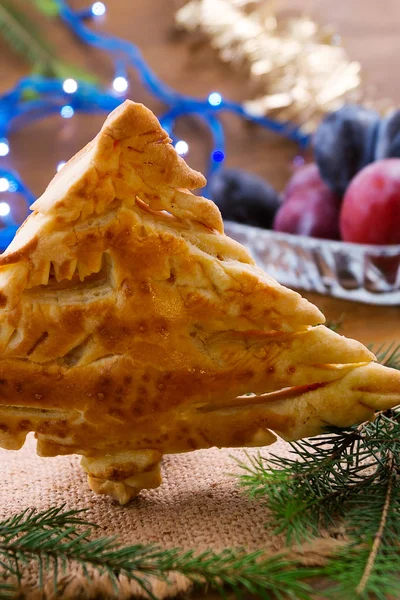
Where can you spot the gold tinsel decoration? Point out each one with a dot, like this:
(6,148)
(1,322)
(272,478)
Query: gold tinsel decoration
(298,67)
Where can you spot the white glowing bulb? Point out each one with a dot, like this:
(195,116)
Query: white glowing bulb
(98,9)
(4,184)
(120,84)
(61,165)
(214,99)
(182,147)
(70,86)
(67,111)
(4,147)
(4,209)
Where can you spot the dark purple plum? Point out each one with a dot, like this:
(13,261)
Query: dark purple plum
(244,197)
(388,137)
(344,143)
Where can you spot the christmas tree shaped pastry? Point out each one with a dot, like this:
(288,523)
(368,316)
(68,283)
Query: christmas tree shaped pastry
(132,327)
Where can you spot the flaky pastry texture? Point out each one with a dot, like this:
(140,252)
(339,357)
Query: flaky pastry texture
(131,326)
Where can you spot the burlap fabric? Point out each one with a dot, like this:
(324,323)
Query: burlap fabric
(199,506)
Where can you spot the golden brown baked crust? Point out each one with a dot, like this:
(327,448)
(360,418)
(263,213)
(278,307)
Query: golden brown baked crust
(131,326)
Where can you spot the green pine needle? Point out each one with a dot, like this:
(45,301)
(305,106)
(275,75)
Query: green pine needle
(19,32)
(48,7)
(335,325)
(388,355)
(55,538)
(370,565)
(345,477)
(7,591)
(24,38)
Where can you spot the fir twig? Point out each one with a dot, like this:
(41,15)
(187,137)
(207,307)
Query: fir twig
(7,590)
(30,519)
(21,34)
(304,490)
(389,355)
(335,325)
(24,38)
(344,477)
(378,539)
(369,565)
(48,7)
(55,538)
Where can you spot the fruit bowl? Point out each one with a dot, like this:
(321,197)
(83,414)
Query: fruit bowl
(358,272)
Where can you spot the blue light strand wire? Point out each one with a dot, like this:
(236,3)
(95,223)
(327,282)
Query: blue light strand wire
(183,104)
(217,132)
(117,46)
(17,110)
(7,235)
(51,98)
(18,186)
(16,183)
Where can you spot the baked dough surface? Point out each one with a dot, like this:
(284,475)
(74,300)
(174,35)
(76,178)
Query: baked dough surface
(132,327)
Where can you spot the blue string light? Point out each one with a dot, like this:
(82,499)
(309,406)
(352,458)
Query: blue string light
(4,147)
(182,147)
(69,96)
(214,99)
(67,112)
(218,156)
(70,86)
(98,9)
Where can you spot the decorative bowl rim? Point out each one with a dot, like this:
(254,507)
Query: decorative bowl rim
(381,250)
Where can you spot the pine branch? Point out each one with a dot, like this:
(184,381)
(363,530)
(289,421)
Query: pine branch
(344,477)
(368,567)
(54,539)
(7,591)
(389,355)
(378,539)
(49,7)
(26,40)
(30,519)
(304,492)
(335,325)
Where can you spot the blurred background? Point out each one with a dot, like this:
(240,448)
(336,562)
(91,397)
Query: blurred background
(368,30)
(181,43)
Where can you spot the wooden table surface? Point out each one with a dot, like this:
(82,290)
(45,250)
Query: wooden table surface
(370,34)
